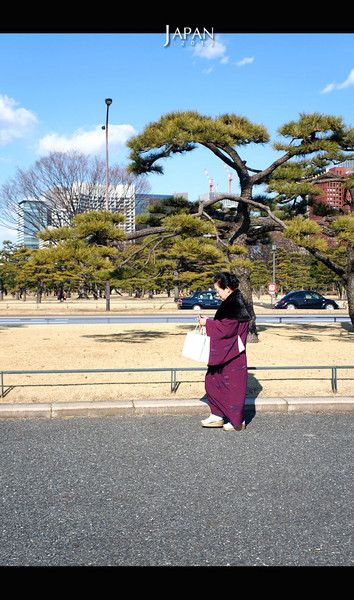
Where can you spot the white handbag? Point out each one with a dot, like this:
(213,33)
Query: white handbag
(241,346)
(197,345)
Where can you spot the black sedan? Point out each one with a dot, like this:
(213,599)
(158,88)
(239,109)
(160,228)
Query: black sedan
(198,300)
(305,299)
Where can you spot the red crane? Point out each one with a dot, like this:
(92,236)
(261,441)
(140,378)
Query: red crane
(210,181)
(230,178)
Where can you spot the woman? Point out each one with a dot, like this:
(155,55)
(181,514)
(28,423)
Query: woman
(226,378)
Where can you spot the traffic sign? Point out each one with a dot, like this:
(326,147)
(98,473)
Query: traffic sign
(272,288)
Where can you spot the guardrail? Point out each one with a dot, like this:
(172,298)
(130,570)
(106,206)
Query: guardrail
(334,375)
(284,317)
(173,372)
(315,318)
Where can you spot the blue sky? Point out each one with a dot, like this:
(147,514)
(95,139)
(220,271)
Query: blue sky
(53,89)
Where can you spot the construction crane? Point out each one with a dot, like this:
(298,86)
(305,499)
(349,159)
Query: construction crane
(210,181)
(230,177)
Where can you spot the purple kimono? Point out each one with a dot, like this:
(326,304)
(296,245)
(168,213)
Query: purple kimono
(226,378)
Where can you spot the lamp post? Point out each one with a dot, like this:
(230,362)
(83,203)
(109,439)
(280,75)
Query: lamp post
(273,250)
(108,101)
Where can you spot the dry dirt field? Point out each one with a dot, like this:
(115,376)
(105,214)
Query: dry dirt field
(42,347)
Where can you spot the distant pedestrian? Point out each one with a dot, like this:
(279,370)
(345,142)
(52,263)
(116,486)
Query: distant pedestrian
(226,377)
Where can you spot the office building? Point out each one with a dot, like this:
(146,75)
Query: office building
(334,195)
(212,195)
(121,198)
(32,216)
(331,183)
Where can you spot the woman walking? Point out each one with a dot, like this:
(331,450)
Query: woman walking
(226,378)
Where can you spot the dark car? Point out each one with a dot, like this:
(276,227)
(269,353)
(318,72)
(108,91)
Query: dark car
(200,300)
(305,299)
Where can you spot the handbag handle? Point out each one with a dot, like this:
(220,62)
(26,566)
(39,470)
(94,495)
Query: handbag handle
(200,329)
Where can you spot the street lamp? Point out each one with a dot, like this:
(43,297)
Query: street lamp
(108,101)
(273,250)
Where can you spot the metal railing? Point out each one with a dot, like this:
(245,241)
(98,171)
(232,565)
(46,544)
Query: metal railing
(334,374)
(173,372)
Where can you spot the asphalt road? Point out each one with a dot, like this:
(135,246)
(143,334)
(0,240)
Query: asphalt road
(162,491)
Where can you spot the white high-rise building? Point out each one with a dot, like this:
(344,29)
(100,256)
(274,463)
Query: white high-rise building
(34,215)
(121,198)
(224,203)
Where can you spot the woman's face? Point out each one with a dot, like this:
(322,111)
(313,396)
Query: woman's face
(223,294)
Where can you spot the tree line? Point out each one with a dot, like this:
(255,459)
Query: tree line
(182,265)
(181,243)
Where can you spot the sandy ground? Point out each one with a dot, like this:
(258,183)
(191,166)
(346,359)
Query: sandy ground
(42,347)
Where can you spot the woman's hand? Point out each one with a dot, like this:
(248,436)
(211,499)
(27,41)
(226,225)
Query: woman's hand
(202,320)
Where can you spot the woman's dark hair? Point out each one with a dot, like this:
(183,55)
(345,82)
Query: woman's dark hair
(225,279)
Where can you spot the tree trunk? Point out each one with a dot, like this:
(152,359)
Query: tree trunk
(176,284)
(39,291)
(350,283)
(243,275)
(243,271)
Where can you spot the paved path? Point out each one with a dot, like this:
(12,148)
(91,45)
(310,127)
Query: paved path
(153,491)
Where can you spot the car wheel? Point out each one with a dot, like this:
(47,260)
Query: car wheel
(291,307)
(196,307)
(329,306)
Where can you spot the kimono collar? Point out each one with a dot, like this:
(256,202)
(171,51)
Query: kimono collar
(234,307)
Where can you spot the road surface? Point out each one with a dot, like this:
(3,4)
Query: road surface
(163,491)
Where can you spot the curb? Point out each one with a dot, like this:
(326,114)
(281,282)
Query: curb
(136,408)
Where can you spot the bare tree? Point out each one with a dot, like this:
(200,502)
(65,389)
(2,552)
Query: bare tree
(49,190)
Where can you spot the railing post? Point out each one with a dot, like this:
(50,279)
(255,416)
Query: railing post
(173,380)
(334,379)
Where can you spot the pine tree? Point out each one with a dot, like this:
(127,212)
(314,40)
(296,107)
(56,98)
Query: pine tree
(91,244)
(313,136)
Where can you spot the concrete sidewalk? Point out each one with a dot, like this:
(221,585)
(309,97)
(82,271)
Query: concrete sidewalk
(172,406)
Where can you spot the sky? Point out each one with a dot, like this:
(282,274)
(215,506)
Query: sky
(53,88)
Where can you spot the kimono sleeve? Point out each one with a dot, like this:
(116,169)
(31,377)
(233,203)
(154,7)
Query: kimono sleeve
(224,339)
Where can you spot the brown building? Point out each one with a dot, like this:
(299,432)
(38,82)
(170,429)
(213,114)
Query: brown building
(334,195)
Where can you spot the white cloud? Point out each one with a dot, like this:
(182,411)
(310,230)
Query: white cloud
(211,49)
(329,88)
(207,71)
(87,142)
(215,49)
(340,86)
(14,122)
(245,61)
(348,81)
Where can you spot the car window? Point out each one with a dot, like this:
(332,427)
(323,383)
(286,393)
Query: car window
(312,296)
